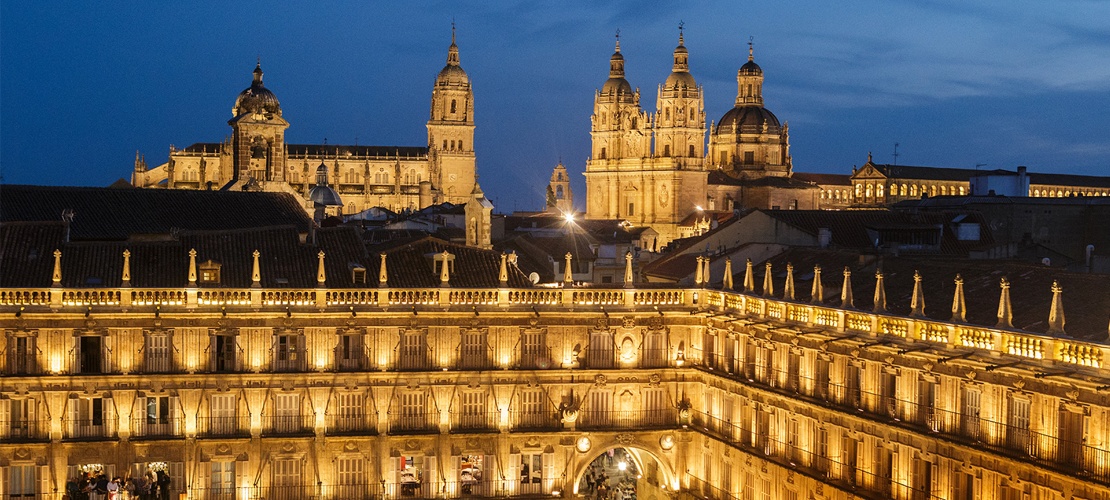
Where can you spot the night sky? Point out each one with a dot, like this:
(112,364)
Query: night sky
(955,82)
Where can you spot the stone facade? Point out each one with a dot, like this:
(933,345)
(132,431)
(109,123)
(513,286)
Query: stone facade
(256,156)
(365,393)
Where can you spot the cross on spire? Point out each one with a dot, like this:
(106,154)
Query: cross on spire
(452,30)
(618,39)
(751,50)
(681,24)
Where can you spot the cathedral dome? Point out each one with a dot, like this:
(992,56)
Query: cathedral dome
(751,68)
(679,79)
(452,74)
(616,86)
(748,119)
(680,76)
(256,98)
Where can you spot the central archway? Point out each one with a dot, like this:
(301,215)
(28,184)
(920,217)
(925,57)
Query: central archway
(645,472)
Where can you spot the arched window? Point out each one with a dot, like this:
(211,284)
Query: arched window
(452,105)
(869,190)
(667,114)
(602,155)
(691,113)
(461,146)
(944,190)
(961,190)
(633,123)
(879,190)
(559,192)
(693,152)
(445,144)
(859,190)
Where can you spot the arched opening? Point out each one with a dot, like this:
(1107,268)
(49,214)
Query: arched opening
(625,473)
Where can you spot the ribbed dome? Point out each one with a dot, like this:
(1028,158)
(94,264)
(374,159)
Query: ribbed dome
(680,79)
(452,74)
(616,86)
(749,119)
(257,98)
(321,193)
(751,68)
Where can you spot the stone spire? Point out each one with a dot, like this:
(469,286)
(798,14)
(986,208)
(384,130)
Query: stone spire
(749,280)
(726,282)
(321,276)
(57,277)
(383,275)
(768,282)
(917,301)
(256,274)
(818,293)
(788,287)
(192,267)
(846,299)
(1056,312)
(959,307)
(453,50)
(1005,311)
(880,293)
(628,268)
(568,277)
(503,274)
(698,278)
(126,277)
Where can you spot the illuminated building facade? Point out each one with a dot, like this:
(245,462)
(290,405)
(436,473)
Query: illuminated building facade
(256,157)
(432,370)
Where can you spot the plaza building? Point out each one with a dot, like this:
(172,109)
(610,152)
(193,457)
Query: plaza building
(256,156)
(290,362)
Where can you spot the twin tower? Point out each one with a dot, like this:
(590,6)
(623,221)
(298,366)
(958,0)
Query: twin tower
(653,168)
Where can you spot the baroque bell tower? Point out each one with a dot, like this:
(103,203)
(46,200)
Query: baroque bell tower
(680,111)
(258,134)
(451,131)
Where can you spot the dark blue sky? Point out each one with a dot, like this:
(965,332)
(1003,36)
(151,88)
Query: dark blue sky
(954,82)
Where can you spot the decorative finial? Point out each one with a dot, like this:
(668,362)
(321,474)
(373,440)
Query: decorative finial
(880,293)
(818,291)
(1056,311)
(768,283)
(1005,310)
(452,31)
(847,300)
(788,286)
(727,281)
(618,39)
(868,157)
(681,24)
(751,48)
(698,278)
(959,306)
(749,278)
(917,300)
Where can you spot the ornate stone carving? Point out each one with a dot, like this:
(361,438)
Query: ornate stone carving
(600,380)
(625,438)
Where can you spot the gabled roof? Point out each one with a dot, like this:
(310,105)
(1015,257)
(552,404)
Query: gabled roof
(1070,180)
(116,214)
(920,173)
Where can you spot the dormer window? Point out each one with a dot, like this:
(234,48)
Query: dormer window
(358,274)
(209,272)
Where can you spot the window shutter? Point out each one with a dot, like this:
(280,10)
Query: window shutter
(75,361)
(46,484)
(106,355)
(109,407)
(175,416)
(242,487)
(302,352)
(5,417)
(177,476)
(31,418)
(513,477)
(453,477)
(548,472)
(138,417)
(394,487)
(72,413)
(432,478)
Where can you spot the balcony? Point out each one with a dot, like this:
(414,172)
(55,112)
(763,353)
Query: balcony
(156,427)
(414,423)
(545,421)
(89,429)
(288,425)
(475,422)
(23,431)
(474,357)
(662,418)
(351,424)
(223,427)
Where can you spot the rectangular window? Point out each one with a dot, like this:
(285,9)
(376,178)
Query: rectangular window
(157,353)
(222,415)
(473,415)
(599,408)
(22,355)
(600,352)
(22,424)
(287,413)
(413,414)
(655,350)
(655,406)
(287,476)
(349,352)
(157,410)
(474,350)
(533,349)
(90,356)
(224,353)
(21,481)
(1017,435)
(414,350)
(969,415)
(531,469)
(351,477)
(289,352)
(222,479)
(631,209)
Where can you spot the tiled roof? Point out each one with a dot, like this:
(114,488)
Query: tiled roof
(1069,180)
(1086,303)
(849,229)
(116,214)
(719,177)
(924,173)
(409,265)
(328,150)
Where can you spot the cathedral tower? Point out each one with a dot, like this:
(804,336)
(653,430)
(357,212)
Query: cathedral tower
(258,134)
(749,142)
(451,130)
(680,112)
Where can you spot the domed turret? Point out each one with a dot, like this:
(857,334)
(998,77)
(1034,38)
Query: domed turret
(452,74)
(321,194)
(680,76)
(616,84)
(256,98)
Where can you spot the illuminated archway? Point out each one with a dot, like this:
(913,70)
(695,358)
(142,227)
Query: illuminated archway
(640,455)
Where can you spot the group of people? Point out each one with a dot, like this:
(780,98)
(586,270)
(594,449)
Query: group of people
(89,486)
(599,486)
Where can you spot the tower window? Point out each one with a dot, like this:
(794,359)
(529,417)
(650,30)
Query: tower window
(452,105)
(724,156)
(692,151)
(667,113)
(445,144)
(631,209)
(460,145)
(602,156)
(749,157)
(666,150)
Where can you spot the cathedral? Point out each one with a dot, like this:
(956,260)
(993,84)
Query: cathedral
(256,157)
(653,168)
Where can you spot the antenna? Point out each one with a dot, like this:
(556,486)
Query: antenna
(895,155)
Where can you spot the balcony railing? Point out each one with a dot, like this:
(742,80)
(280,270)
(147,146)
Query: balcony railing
(414,423)
(338,424)
(156,427)
(24,431)
(89,429)
(301,423)
(662,418)
(475,422)
(545,421)
(222,426)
